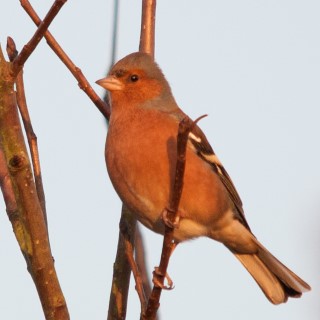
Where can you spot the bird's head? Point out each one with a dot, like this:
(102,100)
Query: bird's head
(136,80)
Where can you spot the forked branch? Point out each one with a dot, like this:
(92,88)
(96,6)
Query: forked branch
(32,138)
(84,84)
(18,185)
(27,50)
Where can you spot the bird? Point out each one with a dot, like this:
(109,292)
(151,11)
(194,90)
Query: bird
(141,156)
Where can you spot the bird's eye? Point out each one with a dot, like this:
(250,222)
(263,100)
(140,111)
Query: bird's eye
(134,78)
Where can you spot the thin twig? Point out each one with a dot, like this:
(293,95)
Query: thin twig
(83,83)
(185,126)
(129,250)
(140,257)
(32,44)
(141,261)
(114,31)
(32,138)
(114,41)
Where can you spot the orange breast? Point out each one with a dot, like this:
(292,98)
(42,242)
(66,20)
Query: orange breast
(141,163)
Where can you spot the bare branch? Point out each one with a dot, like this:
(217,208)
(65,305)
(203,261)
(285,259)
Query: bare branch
(32,44)
(28,221)
(140,257)
(185,126)
(114,31)
(121,269)
(146,45)
(32,138)
(84,84)
(114,41)
(147,33)
(129,250)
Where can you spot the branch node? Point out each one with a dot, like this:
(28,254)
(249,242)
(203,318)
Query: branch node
(17,162)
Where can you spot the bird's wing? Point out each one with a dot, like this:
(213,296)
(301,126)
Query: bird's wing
(206,153)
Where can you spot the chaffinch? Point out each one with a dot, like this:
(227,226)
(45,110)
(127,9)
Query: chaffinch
(141,159)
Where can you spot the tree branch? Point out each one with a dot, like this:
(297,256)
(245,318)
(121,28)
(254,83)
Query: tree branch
(28,220)
(83,83)
(140,257)
(147,33)
(32,138)
(146,45)
(32,44)
(129,237)
(185,126)
(121,269)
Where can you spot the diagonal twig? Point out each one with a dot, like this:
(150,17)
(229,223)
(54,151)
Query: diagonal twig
(32,44)
(129,240)
(84,84)
(140,257)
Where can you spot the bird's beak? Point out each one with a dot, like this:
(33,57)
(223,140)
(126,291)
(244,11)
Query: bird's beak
(110,83)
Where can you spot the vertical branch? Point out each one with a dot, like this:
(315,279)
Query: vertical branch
(27,216)
(32,138)
(115,311)
(114,31)
(32,141)
(185,126)
(147,33)
(121,270)
(114,42)
(29,225)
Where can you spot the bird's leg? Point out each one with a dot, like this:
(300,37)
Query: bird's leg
(167,215)
(158,276)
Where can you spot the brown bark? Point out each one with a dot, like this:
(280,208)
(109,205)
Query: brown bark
(28,220)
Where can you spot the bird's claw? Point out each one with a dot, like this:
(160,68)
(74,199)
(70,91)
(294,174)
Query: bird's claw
(158,279)
(167,220)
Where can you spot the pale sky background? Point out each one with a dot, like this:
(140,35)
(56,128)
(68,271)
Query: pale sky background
(254,67)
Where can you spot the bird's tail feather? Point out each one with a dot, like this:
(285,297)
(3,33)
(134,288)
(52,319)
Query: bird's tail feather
(275,280)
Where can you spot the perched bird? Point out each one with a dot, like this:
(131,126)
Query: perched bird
(141,158)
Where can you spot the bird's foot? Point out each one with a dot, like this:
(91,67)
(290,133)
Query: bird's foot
(158,279)
(166,217)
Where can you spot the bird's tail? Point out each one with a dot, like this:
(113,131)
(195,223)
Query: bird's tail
(275,280)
